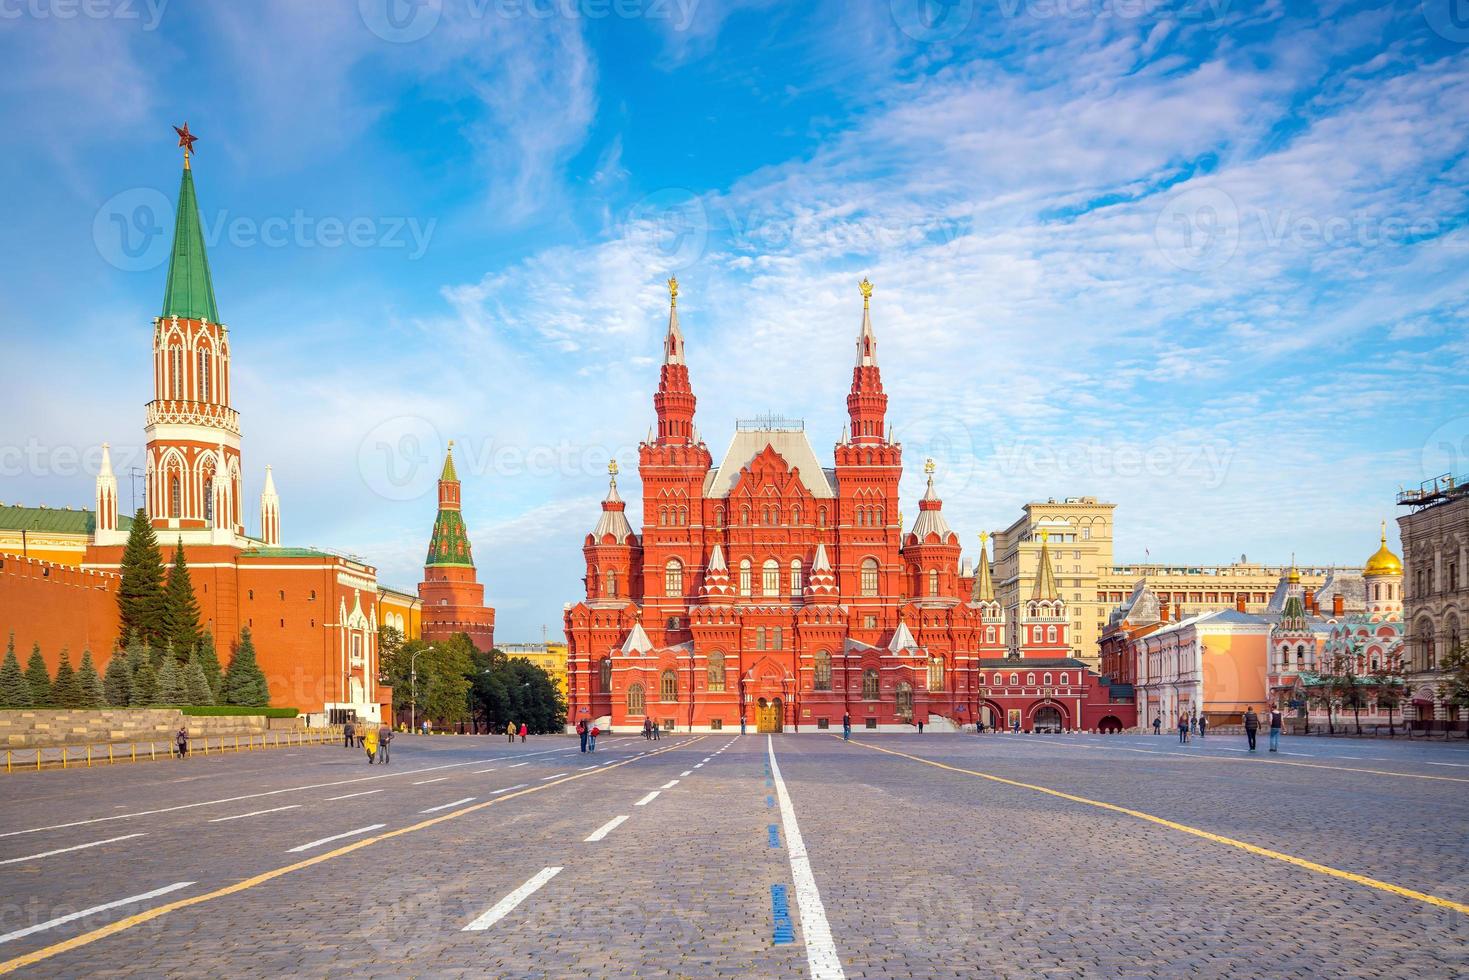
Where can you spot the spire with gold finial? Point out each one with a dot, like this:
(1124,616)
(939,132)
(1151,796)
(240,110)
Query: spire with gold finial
(673,343)
(450,542)
(1045,576)
(866,338)
(984,586)
(614,518)
(189,290)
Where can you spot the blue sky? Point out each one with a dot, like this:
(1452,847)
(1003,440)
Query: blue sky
(1202,258)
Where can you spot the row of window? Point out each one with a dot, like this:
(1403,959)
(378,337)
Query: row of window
(770,578)
(174,382)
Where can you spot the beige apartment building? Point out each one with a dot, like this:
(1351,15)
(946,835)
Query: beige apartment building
(1435,536)
(1080,535)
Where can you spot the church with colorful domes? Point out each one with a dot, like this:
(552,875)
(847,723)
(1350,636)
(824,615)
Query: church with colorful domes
(771,591)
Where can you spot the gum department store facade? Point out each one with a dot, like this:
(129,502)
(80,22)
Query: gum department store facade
(775,591)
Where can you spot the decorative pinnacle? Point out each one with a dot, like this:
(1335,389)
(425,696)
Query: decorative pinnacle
(187,141)
(929,466)
(866,286)
(1045,536)
(983,537)
(673,290)
(1384,532)
(612,468)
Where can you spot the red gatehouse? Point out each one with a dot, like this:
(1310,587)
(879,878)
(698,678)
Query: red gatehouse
(772,591)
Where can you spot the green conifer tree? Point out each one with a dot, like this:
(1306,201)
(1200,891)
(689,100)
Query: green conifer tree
(196,685)
(39,678)
(14,691)
(145,684)
(209,662)
(181,608)
(66,690)
(117,682)
(141,602)
(170,684)
(244,683)
(91,682)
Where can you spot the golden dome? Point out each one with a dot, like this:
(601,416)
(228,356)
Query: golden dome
(1384,562)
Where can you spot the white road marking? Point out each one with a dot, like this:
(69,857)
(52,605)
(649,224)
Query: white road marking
(64,850)
(481,772)
(509,788)
(687,772)
(445,806)
(328,840)
(821,950)
(546,779)
(507,904)
(706,758)
(592,766)
(366,792)
(670,784)
(425,782)
(256,813)
(605,829)
(699,766)
(647,799)
(519,764)
(1456,765)
(52,923)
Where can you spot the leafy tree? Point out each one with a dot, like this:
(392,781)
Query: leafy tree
(39,678)
(244,683)
(1387,679)
(93,696)
(117,681)
(141,602)
(512,690)
(66,690)
(1454,685)
(145,683)
(196,684)
(15,692)
(170,683)
(209,663)
(181,609)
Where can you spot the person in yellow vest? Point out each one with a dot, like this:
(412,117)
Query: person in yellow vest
(369,742)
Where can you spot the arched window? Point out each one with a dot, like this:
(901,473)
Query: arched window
(175,497)
(770,577)
(662,516)
(683,516)
(604,677)
(1030,680)
(609,587)
(989,634)
(1065,680)
(176,371)
(869,684)
(719,516)
(936,674)
(905,700)
(1014,680)
(673,578)
(796,514)
(760,638)
(1050,634)
(869,576)
(204,368)
(745,576)
(1046,680)
(933,581)
(744,515)
(796,580)
(635,703)
(823,671)
(821,517)
(716,671)
(668,687)
(209,500)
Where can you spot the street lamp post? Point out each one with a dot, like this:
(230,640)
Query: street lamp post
(413,690)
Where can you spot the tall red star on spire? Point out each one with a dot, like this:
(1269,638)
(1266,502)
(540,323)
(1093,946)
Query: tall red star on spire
(186,139)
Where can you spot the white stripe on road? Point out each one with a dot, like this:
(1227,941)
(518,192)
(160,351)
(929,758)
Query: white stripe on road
(52,923)
(256,813)
(605,829)
(507,904)
(647,799)
(519,764)
(445,806)
(687,772)
(699,766)
(328,840)
(592,766)
(366,792)
(509,788)
(821,950)
(481,772)
(425,782)
(670,784)
(556,776)
(78,847)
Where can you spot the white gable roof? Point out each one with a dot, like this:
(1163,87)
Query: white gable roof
(792,446)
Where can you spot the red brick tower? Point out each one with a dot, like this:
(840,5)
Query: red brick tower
(453,598)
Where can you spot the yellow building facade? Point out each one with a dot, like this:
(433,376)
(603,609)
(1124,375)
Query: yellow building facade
(550,657)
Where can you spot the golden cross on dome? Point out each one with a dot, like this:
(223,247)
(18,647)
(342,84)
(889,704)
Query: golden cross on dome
(612,467)
(866,286)
(929,467)
(186,140)
(673,290)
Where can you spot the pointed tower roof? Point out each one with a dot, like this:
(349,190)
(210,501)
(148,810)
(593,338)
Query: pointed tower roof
(269,490)
(821,562)
(637,640)
(673,342)
(902,638)
(190,289)
(614,512)
(716,559)
(106,470)
(450,542)
(984,586)
(866,339)
(822,582)
(1045,577)
(448,474)
(930,512)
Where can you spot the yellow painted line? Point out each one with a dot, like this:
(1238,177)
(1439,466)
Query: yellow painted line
(1324,869)
(148,915)
(1277,762)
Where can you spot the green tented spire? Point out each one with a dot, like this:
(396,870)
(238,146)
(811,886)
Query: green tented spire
(450,543)
(190,290)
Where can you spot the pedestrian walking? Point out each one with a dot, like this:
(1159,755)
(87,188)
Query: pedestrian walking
(920,728)
(510,732)
(1277,722)
(181,742)
(1252,726)
(657,731)
(593,738)
(647,729)
(1203,726)
(742,724)
(1015,726)
(846,728)
(349,735)
(369,742)
(581,729)
(523,731)
(1158,725)
(1182,729)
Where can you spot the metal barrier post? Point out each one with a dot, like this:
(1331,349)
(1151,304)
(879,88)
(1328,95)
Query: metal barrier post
(89,757)
(109,753)
(63,757)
